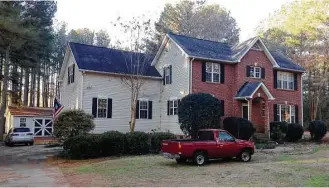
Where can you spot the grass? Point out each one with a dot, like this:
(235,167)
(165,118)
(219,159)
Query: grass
(318,181)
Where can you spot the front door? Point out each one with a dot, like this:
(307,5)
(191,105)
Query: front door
(43,127)
(245,110)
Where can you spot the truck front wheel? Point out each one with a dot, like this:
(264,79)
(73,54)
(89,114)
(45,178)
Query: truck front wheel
(200,158)
(245,156)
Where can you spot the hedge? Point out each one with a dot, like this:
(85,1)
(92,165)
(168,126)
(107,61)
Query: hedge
(278,130)
(239,127)
(113,143)
(317,130)
(294,132)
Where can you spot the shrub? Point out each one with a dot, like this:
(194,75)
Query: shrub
(239,127)
(278,130)
(294,132)
(137,143)
(72,123)
(197,111)
(83,146)
(111,143)
(317,129)
(157,138)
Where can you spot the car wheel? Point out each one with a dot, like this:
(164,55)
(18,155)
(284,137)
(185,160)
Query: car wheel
(181,160)
(245,156)
(200,158)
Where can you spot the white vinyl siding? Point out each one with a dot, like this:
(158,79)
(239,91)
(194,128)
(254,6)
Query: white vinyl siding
(286,113)
(173,55)
(212,72)
(285,80)
(105,86)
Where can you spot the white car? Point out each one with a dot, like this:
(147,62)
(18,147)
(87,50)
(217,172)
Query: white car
(20,135)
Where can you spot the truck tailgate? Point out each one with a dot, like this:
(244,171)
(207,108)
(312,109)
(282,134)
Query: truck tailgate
(170,146)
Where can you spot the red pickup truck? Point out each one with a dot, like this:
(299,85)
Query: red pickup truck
(211,143)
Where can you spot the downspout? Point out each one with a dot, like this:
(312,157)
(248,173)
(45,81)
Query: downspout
(190,76)
(302,98)
(81,90)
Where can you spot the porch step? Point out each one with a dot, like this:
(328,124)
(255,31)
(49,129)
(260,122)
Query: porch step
(261,136)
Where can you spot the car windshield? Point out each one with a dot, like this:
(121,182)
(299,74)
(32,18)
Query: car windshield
(21,130)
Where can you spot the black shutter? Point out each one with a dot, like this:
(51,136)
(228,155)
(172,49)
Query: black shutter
(164,76)
(263,72)
(275,109)
(170,70)
(295,81)
(222,73)
(73,67)
(168,104)
(109,108)
(222,108)
(204,71)
(150,110)
(68,75)
(94,107)
(248,71)
(296,114)
(275,76)
(137,109)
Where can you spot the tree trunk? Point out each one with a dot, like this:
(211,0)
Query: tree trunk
(26,86)
(4,94)
(1,65)
(134,97)
(32,92)
(21,85)
(38,89)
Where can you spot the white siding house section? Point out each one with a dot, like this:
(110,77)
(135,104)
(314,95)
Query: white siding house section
(71,93)
(110,86)
(174,56)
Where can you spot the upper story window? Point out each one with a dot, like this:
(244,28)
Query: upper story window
(173,107)
(167,75)
(255,72)
(285,80)
(212,72)
(70,74)
(286,113)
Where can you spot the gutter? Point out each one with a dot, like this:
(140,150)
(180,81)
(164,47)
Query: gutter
(120,74)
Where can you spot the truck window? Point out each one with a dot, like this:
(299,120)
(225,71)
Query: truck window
(224,136)
(206,135)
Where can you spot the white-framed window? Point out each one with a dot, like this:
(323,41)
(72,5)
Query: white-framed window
(143,109)
(22,122)
(70,74)
(212,72)
(286,113)
(255,72)
(102,108)
(167,74)
(173,107)
(285,80)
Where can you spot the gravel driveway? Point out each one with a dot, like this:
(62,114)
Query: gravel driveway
(24,166)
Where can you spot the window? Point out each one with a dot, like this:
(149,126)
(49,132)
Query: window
(102,108)
(212,72)
(70,74)
(143,109)
(255,72)
(22,122)
(286,113)
(224,136)
(173,107)
(285,80)
(167,75)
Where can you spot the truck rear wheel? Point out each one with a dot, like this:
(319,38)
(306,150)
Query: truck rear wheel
(200,158)
(245,155)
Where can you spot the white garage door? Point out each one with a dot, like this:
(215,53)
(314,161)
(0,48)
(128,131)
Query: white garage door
(43,127)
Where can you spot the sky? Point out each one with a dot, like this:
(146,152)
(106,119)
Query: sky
(98,14)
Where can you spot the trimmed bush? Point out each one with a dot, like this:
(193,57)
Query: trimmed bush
(294,132)
(72,123)
(239,127)
(111,143)
(137,143)
(157,138)
(199,111)
(317,129)
(278,131)
(83,146)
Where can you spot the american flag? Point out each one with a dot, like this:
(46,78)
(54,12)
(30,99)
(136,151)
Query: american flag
(57,108)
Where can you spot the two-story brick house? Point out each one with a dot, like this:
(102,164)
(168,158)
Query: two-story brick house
(250,81)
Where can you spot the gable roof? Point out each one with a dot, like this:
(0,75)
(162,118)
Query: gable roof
(107,60)
(284,62)
(248,89)
(223,52)
(30,111)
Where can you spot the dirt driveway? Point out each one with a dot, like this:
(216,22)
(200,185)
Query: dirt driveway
(24,166)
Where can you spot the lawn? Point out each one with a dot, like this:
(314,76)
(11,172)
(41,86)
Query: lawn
(153,170)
